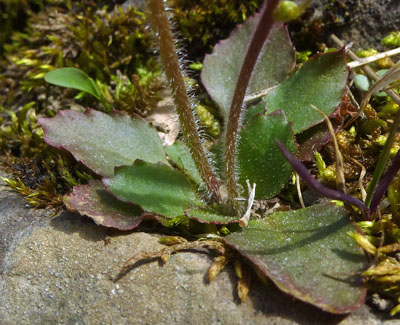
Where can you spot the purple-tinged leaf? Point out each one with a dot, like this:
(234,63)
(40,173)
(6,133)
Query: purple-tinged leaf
(221,69)
(317,186)
(385,182)
(105,209)
(307,254)
(312,140)
(102,141)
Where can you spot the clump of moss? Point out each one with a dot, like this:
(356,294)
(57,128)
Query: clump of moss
(202,23)
(40,173)
(392,40)
(44,181)
(13,15)
(112,45)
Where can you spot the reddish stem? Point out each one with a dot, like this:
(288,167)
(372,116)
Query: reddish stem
(256,44)
(170,61)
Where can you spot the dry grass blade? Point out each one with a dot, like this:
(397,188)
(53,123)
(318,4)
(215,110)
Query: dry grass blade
(252,192)
(369,72)
(391,76)
(299,191)
(244,283)
(373,58)
(164,254)
(217,266)
(340,180)
(362,175)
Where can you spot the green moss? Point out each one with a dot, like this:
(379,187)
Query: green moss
(109,45)
(392,40)
(207,120)
(203,22)
(112,45)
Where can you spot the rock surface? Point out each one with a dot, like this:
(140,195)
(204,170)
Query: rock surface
(361,22)
(60,270)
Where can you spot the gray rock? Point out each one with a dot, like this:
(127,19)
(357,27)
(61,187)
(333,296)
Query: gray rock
(61,270)
(366,22)
(363,22)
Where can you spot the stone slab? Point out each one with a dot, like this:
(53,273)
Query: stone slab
(60,271)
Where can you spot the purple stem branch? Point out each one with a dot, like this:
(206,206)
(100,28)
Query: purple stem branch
(317,186)
(385,182)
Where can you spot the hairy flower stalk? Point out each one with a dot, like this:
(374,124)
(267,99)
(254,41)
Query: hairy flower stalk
(256,44)
(170,61)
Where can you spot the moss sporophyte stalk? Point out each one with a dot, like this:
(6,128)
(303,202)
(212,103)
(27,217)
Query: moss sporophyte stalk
(215,191)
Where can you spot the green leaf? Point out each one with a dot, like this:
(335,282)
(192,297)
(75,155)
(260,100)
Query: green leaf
(259,159)
(362,82)
(308,254)
(181,157)
(320,81)
(221,69)
(105,209)
(103,141)
(73,78)
(253,111)
(210,216)
(156,188)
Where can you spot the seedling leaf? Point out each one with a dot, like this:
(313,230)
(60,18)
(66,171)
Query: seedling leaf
(308,254)
(73,78)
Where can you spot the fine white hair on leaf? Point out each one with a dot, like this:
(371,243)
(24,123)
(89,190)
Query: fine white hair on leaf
(238,138)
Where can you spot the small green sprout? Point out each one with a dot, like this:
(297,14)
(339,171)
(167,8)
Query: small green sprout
(290,10)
